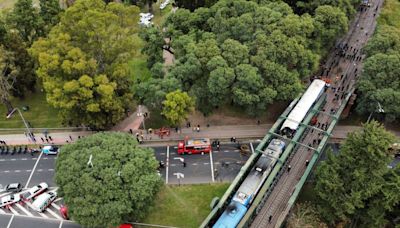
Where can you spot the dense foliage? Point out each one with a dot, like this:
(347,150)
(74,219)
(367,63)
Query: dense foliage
(244,53)
(118,184)
(177,106)
(83,62)
(380,80)
(18,29)
(357,184)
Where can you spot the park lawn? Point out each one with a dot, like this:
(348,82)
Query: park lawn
(40,114)
(184,206)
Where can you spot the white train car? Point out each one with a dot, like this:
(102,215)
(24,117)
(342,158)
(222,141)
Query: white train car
(302,107)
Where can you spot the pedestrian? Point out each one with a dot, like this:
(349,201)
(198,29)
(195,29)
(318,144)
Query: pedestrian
(42,139)
(289,168)
(130,131)
(234,139)
(208,125)
(307,162)
(51,139)
(270,218)
(184,164)
(47,140)
(176,129)
(31,151)
(198,128)
(70,137)
(218,146)
(258,122)
(67,141)
(79,137)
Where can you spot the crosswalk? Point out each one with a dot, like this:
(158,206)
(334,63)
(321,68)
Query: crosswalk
(26,209)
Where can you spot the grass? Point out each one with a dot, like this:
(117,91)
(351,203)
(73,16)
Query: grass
(184,206)
(390,14)
(156,120)
(40,113)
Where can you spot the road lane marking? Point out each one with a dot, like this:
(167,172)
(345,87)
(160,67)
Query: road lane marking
(28,170)
(6,193)
(24,159)
(173,164)
(162,153)
(1,160)
(24,210)
(61,223)
(173,153)
(34,158)
(6,171)
(13,211)
(53,213)
(236,150)
(166,171)
(50,170)
(55,206)
(194,164)
(13,159)
(45,158)
(226,151)
(33,170)
(9,223)
(212,167)
(40,170)
(206,163)
(57,200)
(17,171)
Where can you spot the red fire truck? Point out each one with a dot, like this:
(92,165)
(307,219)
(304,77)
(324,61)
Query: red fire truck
(194,146)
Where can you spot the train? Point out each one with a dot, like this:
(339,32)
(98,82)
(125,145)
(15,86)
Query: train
(303,106)
(249,188)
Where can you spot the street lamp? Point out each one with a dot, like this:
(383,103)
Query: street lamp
(23,119)
(380,110)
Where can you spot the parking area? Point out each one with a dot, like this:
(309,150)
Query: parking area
(13,221)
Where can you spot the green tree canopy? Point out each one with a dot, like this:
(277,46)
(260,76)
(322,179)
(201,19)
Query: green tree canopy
(352,181)
(83,62)
(120,183)
(177,106)
(278,47)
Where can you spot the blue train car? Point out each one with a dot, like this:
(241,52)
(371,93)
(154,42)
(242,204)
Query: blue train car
(231,216)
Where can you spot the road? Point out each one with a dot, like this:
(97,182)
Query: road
(276,206)
(224,133)
(32,170)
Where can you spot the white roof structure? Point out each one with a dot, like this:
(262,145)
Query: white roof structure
(303,106)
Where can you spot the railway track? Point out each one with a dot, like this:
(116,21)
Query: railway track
(276,207)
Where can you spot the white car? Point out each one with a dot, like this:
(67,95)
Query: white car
(145,23)
(43,201)
(147,16)
(9,200)
(34,191)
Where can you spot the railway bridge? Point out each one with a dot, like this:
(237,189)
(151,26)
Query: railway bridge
(279,192)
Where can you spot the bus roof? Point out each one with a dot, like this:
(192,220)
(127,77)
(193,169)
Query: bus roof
(198,142)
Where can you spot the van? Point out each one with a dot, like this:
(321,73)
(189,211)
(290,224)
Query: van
(43,201)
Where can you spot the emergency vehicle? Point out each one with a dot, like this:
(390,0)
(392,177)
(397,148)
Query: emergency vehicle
(194,146)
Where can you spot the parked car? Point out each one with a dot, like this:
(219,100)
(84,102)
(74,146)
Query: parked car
(14,187)
(43,201)
(9,200)
(34,191)
(64,212)
(126,225)
(147,16)
(50,150)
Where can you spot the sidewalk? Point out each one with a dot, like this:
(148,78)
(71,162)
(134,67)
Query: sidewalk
(223,133)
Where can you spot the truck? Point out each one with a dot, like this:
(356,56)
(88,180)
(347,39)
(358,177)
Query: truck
(194,146)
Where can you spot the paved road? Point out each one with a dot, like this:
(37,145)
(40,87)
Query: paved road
(276,206)
(224,133)
(31,170)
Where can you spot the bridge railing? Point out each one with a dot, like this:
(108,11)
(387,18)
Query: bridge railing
(267,186)
(220,207)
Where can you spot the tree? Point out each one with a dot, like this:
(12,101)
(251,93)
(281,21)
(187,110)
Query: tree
(26,19)
(107,178)
(15,53)
(7,77)
(305,215)
(83,62)
(380,82)
(49,12)
(153,47)
(177,106)
(346,183)
(329,23)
